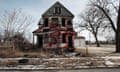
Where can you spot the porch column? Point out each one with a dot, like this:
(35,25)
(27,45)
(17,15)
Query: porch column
(60,20)
(66,21)
(41,21)
(49,20)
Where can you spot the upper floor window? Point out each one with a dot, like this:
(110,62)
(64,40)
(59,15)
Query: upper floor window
(63,22)
(69,22)
(57,10)
(55,20)
(46,22)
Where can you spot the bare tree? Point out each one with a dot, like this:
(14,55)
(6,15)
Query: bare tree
(91,20)
(14,22)
(111,9)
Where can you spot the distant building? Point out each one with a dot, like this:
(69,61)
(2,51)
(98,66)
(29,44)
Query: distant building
(56,28)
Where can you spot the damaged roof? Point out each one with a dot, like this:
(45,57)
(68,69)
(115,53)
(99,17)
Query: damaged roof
(64,11)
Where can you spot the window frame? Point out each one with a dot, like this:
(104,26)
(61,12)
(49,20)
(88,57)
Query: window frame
(57,10)
(46,22)
(63,38)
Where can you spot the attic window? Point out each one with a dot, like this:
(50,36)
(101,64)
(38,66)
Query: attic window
(57,10)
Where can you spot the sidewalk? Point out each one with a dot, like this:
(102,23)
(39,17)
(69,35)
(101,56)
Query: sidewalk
(66,63)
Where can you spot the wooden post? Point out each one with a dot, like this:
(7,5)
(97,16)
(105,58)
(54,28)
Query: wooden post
(13,46)
(33,40)
(87,50)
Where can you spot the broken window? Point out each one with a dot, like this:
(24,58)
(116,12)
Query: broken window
(70,44)
(69,25)
(63,22)
(64,38)
(46,22)
(69,22)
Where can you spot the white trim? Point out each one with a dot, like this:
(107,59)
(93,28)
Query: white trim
(60,20)
(49,20)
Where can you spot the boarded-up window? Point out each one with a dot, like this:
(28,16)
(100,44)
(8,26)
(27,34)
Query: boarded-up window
(46,22)
(63,22)
(64,38)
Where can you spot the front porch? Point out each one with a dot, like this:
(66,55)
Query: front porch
(54,39)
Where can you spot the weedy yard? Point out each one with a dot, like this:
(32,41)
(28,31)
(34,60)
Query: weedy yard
(89,57)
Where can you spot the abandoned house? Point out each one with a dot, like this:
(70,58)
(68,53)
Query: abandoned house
(56,29)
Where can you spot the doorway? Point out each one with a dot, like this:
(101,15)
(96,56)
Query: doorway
(40,41)
(70,43)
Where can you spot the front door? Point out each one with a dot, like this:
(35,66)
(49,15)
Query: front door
(40,41)
(70,43)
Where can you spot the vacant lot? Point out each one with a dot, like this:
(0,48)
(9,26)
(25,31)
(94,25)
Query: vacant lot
(92,50)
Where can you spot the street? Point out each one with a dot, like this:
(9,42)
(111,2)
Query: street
(77,70)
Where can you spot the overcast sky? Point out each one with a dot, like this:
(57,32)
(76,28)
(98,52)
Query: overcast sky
(36,8)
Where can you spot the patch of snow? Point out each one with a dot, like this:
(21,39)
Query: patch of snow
(111,57)
(107,62)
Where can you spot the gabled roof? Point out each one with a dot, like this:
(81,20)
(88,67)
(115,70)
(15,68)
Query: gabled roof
(64,11)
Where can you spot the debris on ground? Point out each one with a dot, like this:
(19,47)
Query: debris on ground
(61,63)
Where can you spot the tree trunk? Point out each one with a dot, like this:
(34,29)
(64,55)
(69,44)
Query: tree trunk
(118,32)
(97,42)
(118,42)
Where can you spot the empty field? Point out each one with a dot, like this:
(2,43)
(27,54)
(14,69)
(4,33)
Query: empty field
(92,50)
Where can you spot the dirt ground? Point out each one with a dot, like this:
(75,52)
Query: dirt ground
(92,50)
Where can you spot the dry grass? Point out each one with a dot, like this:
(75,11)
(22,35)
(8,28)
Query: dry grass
(9,63)
(115,60)
(14,54)
(8,54)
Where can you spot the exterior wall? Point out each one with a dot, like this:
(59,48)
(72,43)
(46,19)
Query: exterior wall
(50,43)
(57,33)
